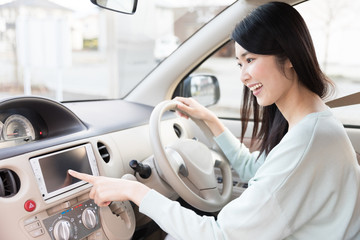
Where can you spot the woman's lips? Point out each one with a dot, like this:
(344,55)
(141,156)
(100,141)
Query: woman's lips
(255,88)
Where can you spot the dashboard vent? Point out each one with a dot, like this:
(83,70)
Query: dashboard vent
(177,130)
(9,183)
(103,152)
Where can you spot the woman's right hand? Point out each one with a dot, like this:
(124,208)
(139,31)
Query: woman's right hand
(106,189)
(190,107)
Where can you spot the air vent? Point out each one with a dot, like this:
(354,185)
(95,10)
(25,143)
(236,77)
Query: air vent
(177,130)
(9,183)
(103,152)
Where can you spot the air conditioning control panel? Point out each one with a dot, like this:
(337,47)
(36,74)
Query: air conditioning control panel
(76,222)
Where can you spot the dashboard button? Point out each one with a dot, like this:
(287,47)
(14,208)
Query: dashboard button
(30,220)
(30,205)
(32,226)
(66,204)
(37,232)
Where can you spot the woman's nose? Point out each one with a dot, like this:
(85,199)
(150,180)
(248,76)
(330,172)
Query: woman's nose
(244,76)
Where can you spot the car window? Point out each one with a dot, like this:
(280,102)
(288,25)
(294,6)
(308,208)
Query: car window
(223,66)
(73,50)
(336,35)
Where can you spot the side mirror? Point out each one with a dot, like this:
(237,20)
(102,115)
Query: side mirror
(203,88)
(121,6)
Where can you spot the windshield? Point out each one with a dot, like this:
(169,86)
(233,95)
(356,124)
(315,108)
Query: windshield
(72,50)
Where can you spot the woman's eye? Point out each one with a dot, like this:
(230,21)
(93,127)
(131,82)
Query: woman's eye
(249,60)
(240,65)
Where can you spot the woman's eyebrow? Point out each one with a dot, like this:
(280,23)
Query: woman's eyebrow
(243,55)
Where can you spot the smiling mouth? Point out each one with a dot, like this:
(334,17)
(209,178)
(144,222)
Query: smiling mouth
(255,87)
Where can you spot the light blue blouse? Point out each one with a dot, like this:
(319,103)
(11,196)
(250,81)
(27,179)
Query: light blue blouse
(307,188)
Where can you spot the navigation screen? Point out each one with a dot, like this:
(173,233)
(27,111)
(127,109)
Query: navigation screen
(55,167)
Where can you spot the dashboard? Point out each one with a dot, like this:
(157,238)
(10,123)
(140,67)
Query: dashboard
(45,122)
(41,139)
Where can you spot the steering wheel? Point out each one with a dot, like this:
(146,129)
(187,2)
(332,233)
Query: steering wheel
(188,165)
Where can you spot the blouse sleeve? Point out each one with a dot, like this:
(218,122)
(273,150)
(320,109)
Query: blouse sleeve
(179,222)
(253,216)
(243,162)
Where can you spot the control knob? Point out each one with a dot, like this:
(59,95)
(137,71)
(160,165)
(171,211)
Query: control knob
(89,218)
(62,230)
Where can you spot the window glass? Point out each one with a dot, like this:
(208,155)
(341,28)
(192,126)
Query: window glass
(336,34)
(224,67)
(73,50)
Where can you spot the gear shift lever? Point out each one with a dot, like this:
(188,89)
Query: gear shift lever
(144,170)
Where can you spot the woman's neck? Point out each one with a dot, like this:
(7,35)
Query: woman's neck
(300,103)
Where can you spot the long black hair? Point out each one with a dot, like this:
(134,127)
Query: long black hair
(277,29)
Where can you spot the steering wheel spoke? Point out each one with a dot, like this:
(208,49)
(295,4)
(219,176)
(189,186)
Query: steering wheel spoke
(211,194)
(176,161)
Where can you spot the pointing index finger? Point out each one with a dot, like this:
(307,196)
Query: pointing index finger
(82,176)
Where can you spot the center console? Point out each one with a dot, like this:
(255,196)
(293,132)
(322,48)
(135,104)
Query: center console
(79,217)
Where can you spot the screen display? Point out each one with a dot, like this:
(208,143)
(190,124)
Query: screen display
(55,168)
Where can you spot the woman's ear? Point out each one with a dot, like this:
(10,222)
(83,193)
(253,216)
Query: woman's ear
(289,70)
(288,64)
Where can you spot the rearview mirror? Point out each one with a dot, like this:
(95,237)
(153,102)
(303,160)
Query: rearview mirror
(121,6)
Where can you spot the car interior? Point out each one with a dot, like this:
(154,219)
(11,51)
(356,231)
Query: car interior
(138,137)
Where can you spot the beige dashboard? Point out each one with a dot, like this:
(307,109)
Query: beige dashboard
(28,213)
(112,138)
(117,222)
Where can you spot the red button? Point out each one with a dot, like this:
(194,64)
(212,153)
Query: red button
(30,205)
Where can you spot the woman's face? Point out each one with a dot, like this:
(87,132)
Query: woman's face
(264,77)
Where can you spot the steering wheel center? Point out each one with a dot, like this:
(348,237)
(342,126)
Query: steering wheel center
(198,161)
